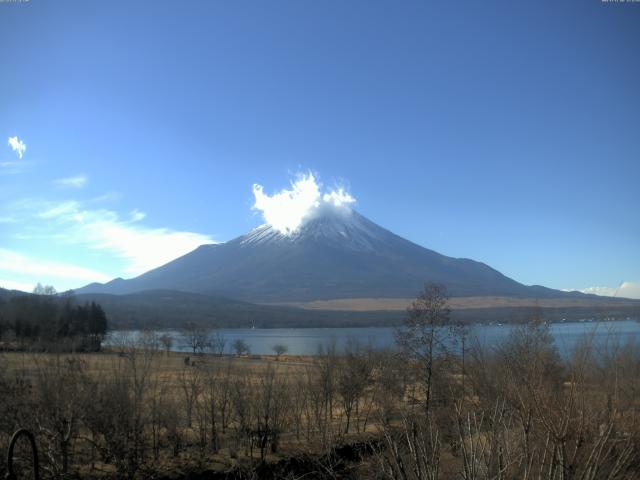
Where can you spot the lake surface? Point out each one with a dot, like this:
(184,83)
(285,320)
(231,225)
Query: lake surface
(306,341)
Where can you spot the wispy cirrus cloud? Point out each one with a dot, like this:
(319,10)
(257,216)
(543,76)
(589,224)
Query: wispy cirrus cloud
(22,267)
(17,145)
(76,181)
(56,210)
(107,197)
(70,243)
(141,247)
(14,167)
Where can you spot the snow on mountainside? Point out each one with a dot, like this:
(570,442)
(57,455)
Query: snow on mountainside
(337,253)
(343,227)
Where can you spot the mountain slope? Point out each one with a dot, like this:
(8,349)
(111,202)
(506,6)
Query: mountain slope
(337,254)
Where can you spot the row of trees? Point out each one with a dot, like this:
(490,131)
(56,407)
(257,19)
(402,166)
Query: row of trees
(45,320)
(201,339)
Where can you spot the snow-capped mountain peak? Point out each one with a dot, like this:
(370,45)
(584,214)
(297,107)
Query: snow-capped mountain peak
(331,225)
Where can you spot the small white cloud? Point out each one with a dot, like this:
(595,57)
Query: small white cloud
(136,215)
(17,145)
(338,198)
(59,209)
(107,197)
(77,181)
(625,290)
(288,209)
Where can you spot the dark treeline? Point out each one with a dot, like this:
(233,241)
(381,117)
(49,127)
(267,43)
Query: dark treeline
(45,321)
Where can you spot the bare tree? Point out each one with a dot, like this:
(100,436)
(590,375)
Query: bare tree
(427,334)
(279,349)
(323,386)
(191,385)
(59,389)
(353,376)
(299,403)
(218,344)
(241,347)
(167,342)
(411,452)
(115,412)
(148,340)
(214,393)
(271,406)
(390,385)
(159,396)
(195,337)
(243,403)
(121,341)
(40,289)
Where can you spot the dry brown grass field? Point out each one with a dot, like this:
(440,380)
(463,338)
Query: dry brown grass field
(175,395)
(516,410)
(460,303)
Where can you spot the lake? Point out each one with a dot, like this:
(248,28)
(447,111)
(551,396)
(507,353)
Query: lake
(306,341)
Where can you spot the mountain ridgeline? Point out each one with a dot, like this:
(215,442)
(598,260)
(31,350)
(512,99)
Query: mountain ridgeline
(335,255)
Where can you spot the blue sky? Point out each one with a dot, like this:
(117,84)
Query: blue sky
(507,132)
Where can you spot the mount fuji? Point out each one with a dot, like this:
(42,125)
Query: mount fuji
(336,254)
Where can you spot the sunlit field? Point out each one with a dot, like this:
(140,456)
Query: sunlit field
(510,411)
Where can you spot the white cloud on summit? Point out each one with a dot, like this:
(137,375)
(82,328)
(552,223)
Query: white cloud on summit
(288,209)
(17,145)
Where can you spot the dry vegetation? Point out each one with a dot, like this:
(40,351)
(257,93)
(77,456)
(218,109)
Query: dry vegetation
(145,412)
(462,303)
(513,411)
